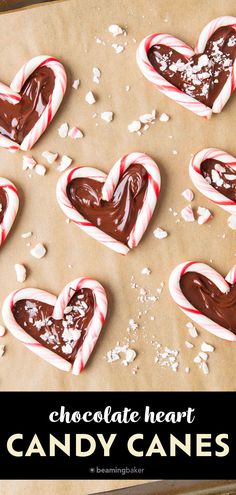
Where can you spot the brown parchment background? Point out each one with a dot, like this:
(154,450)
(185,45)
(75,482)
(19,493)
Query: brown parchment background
(67,30)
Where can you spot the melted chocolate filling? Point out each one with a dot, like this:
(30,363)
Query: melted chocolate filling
(3,203)
(207,298)
(17,120)
(64,337)
(202,76)
(221,176)
(118,216)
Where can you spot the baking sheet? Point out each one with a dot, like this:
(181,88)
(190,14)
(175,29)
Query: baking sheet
(68,31)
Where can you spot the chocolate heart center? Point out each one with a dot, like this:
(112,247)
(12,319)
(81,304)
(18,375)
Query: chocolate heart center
(3,203)
(221,176)
(16,121)
(202,76)
(64,337)
(118,216)
(205,296)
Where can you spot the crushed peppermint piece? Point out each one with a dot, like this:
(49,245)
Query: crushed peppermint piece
(174,152)
(130,355)
(118,48)
(232,222)
(2,350)
(188,344)
(148,117)
(204,215)
(204,368)
(38,251)
(160,233)
(187,370)
(188,194)
(164,117)
(115,30)
(20,272)
(96,75)
(203,355)
(25,235)
(76,84)
(28,162)
(107,116)
(64,163)
(127,88)
(187,214)
(90,98)
(63,130)
(2,331)
(192,330)
(40,169)
(133,325)
(207,347)
(146,271)
(75,133)
(134,126)
(49,156)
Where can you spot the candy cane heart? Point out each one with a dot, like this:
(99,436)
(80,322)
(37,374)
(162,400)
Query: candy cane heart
(28,106)
(206,297)
(114,209)
(63,331)
(201,80)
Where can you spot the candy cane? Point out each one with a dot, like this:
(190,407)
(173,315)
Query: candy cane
(92,332)
(200,182)
(11,207)
(50,109)
(8,94)
(110,182)
(186,306)
(172,91)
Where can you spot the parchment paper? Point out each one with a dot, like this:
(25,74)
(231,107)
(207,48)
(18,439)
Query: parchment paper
(68,30)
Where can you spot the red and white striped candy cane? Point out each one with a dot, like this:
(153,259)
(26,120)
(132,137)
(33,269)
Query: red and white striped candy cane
(110,182)
(11,207)
(8,94)
(52,106)
(186,306)
(203,186)
(174,43)
(60,303)
(230,84)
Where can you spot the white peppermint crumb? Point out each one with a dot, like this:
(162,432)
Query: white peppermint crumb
(160,233)
(133,325)
(174,152)
(203,355)
(40,169)
(188,344)
(146,271)
(134,126)
(75,133)
(207,347)
(130,355)
(197,359)
(20,272)
(90,98)
(96,75)
(232,222)
(204,215)
(187,370)
(107,116)
(38,251)
(188,194)
(2,330)
(49,156)
(115,30)
(28,162)
(204,368)
(25,235)
(127,87)
(147,117)
(192,330)
(76,83)
(187,214)
(164,117)
(63,130)
(64,163)
(118,48)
